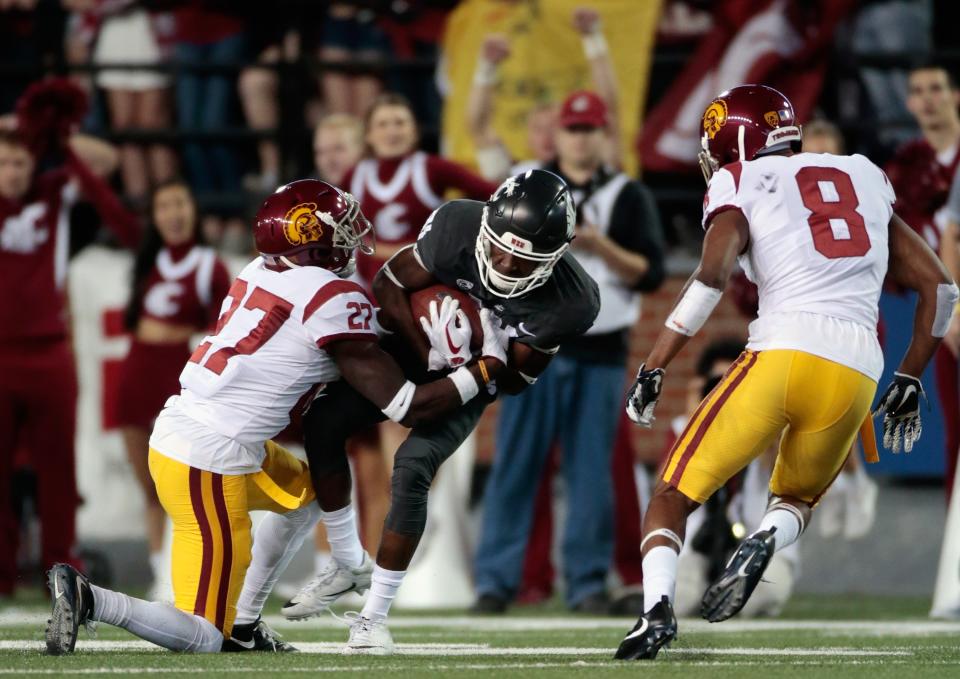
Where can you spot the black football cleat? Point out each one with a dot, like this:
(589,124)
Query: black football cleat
(655,629)
(725,597)
(72,601)
(256,636)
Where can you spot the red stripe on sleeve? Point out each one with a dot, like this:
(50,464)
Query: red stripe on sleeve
(328,292)
(328,339)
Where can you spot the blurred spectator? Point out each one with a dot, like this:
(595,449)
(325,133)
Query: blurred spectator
(887,87)
(25,27)
(259,87)
(127,33)
(337,146)
(208,34)
(177,288)
(493,159)
(921,172)
(822,136)
(351,34)
(397,186)
(619,243)
(39,391)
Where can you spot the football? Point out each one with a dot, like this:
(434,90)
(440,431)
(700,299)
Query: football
(420,307)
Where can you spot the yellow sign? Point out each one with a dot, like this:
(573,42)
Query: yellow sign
(546,63)
(772,118)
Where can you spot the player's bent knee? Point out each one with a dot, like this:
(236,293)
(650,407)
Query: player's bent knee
(410,485)
(208,639)
(308,515)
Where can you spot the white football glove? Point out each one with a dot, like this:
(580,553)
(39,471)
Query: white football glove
(495,337)
(448,332)
(643,395)
(900,405)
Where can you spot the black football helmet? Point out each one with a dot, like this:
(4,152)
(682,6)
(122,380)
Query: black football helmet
(531,216)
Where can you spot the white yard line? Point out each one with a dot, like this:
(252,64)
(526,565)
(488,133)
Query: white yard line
(438,668)
(451,650)
(18,617)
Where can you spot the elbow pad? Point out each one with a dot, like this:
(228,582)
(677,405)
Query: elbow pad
(693,309)
(947,296)
(398,407)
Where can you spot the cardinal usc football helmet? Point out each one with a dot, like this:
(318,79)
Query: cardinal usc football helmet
(746,122)
(532,217)
(312,223)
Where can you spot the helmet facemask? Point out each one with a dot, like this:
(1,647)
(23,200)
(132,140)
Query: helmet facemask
(503,285)
(708,164)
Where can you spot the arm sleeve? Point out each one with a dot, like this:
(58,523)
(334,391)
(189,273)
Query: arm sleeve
(722,195)
(340,310)
(121,221)
(635,225)
(445,174)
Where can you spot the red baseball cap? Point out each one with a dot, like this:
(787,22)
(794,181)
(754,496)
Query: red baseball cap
(583,108)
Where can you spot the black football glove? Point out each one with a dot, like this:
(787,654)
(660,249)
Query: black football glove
(643,395)
(900,405)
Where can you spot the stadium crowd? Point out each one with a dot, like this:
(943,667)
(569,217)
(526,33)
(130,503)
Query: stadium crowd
(158,128)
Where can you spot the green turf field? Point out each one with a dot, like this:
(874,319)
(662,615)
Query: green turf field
(817,637)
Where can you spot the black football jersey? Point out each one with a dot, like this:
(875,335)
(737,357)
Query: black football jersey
(563,307)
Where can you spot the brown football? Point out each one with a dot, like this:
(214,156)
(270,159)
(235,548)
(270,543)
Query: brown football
(420,307)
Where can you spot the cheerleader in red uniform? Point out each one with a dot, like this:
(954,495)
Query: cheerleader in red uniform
(178,286)
(397,185)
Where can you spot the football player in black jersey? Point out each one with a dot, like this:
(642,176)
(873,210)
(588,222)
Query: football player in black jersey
(510,253)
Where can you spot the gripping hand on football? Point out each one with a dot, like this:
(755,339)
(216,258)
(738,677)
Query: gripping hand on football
(495,337)
(643,395)
(900,405)
(448,332)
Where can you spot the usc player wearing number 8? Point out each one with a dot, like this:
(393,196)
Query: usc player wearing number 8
(817,234)
(290,324)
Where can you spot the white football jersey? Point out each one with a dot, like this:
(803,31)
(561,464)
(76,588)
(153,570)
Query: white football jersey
(242,383)
(819,229)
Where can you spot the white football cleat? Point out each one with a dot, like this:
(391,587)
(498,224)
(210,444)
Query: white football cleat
(367,637)
(334,581)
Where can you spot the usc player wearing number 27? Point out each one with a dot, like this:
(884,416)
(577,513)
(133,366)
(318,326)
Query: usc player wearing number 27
(291,322)
(817,234)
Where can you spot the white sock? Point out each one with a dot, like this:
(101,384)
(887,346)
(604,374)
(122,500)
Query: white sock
(161,624)
(787,524)
(343,536)
(277,540)
(659,575)
(383,589)
(320,560)
(157,563)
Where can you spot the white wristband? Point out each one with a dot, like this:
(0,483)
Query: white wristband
(947,296)
(398,407)
(693,309)
(465,383)
(594,45)
(485,74)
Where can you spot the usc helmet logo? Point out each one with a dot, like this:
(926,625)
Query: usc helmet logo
(301,224)
(772,118)
(714,118)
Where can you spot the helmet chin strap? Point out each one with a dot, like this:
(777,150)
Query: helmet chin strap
(286,261)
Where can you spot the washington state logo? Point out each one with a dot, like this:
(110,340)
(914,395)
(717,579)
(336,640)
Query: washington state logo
(714,118)
(302,224)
